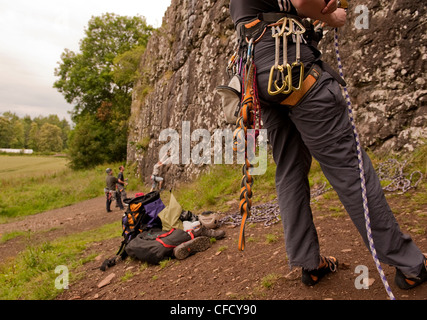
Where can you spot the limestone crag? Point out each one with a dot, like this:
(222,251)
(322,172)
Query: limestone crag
(384,65)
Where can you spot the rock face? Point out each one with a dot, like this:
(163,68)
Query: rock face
(384,65)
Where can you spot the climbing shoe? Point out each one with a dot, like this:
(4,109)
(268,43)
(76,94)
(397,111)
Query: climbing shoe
(188,248)
(327,265)
(406,283)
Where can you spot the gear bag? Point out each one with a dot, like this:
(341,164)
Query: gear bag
(141,215)
(230,98)
(155,245)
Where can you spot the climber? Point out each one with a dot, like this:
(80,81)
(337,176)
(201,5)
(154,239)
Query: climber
(306,116)
(157,180)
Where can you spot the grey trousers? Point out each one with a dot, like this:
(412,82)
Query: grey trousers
(320,127)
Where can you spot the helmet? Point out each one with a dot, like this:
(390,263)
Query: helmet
(209,219)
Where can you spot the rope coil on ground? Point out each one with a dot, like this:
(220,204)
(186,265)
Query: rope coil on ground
(392,170)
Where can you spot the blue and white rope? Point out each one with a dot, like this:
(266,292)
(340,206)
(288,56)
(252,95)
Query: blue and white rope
(362,176)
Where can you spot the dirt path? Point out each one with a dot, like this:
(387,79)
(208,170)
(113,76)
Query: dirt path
(222,272)
(49,225)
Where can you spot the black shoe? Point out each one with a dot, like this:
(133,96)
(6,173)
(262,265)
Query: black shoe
(408,283)
(328,265)
(109,210)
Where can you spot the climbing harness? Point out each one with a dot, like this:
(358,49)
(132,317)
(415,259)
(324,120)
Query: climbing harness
(362,177)
(283,26)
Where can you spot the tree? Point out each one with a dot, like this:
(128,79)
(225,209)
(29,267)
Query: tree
(12,134)
(125,69)
(87,143)
(86,79)
(50,138)
(43,134)
(33,136)
(6,132)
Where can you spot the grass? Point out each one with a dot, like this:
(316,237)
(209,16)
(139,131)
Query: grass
(34,184)
(218,189)
(221,184)
(269,280)
(271,238)
(31,275)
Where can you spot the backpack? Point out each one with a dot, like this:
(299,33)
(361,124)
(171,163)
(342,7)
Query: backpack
(155,245)
(141,215)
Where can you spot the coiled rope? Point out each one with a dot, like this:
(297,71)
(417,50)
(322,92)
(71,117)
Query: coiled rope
(392,171)
(362,176)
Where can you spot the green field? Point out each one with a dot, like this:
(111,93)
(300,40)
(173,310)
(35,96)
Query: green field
(34,184)
(22,167)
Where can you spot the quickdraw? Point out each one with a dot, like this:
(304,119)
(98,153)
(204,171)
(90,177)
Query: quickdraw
(283,72)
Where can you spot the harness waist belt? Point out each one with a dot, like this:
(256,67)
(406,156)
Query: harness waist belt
(272,17)
(295,97)
(310,80)
(255,28)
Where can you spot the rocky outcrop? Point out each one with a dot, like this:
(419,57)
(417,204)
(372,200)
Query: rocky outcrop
(385,67)
(184,62)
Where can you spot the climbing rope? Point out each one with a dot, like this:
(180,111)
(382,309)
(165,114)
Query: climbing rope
(362,176)
(243,124)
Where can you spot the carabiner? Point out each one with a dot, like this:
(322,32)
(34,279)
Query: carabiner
(286,81)
(299,24)
(301,75)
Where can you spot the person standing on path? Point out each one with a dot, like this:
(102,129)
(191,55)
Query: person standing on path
(111,182)
(121,183)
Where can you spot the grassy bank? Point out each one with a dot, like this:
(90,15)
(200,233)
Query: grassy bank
(34,184)
(31,275)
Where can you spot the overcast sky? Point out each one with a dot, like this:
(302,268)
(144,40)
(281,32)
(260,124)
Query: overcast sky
(33,34)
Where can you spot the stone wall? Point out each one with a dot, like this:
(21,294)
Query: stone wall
(385,67)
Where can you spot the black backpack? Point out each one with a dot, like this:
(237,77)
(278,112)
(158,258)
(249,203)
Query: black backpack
(141,215)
